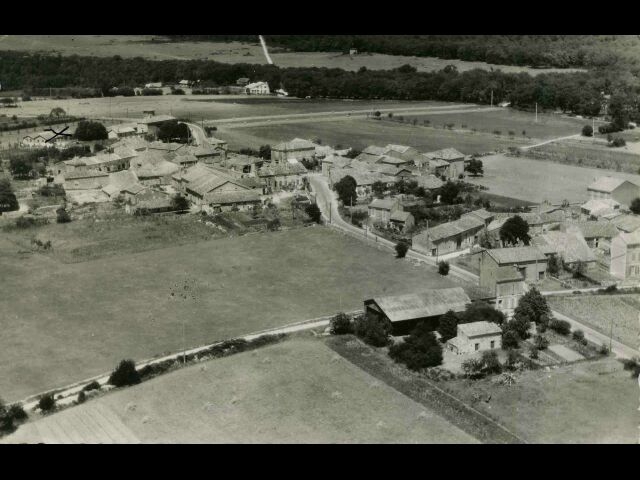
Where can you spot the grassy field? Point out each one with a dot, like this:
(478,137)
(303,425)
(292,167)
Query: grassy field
(360,133)
(65,322)
(298,391)
(233,52)
(536,181)
(598,311)
(506,120)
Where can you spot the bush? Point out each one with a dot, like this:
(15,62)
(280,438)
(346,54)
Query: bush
(560,326)
(16,412)
(25,222)
(419,350)
(510,339)
(125,374)
(540,342)
(633,365)
(274,224)
(314,213)
(62,215)
(578,336)
(533,352)
(472,368)
(372,331)
(603,350)
(82,397)
(512,358)
(341,324)
(587,131)
(490,362)
(443,268)
(91,386)
(46,403)
(401,249)
(618,142)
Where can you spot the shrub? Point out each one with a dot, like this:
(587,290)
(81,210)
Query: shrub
(448,325)
(603,350)
(472,368)
(587,131)
(510,339)
(401,249)
(560,326)
(62,215)
(314,212)
(82,397)
(46,403)
(578,336)
(490,362)
(16,412)
(618,142)
(512,358)
(91,386)
(633,365)
(372,331)
(25,222)
(540,342)
(419,350)
(341,324)
(274,224)
(533,352)
(443,268)
(125,374)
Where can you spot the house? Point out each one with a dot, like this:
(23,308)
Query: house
(597,208)
(530,261)
(364,180)
(209,153)
(184,159)
(153,85)
(394,161)
(242,82)
(217,191)
(85,180)
(331,161)
(481,214)
(380,209)
(167,147)
(505,289)
(185,83)
(257,88)
(405,312)
(428,182)
(372,151)
(449,237)
(150,201)
(286,175)
(151,168)
(297,149)
(570,246)
(125,130)
(454,159)
(153,123)
(618,189)
(627,223)
(409,154)
(401,221)
(476,337)
(596,234)
(282,93)
(243,164)
(625,256)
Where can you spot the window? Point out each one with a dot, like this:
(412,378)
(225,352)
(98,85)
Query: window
(493,344)
(477,347)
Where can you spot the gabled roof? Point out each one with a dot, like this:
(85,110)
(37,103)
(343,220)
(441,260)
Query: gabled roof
(478,329)
(384,203)
(166,147)
(159,169)
(295,144)
(608,184)
(570,245)
(505,256)
(203,150)
(597,204)
(400,216)
(481,213)
(448,154)
(595,229)
(374,150)
(448,230)
(242,160)
(184,158)
(76,174)
(430,182)
(397,148)
(429,303)
(156,119)
(240,196)
(434,163)
(282,169)
(392,160)
(627,223)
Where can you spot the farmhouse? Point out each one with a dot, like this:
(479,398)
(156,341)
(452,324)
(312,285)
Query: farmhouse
(125,130)
(401,221)
(364,180)
(208,153)
(505,288)
(217,191)
(150,201)
(243,164)
(408,154)
(257,88)
(405,312)
(380,209)
(282,175)
(152,169)
(625,256)
(296,149)
(597,208)
(570,246)
(530,261)
(596,234)
(331,161)
(371,152)
(449,237)
(85,180)
(453,158)
(618,189)
(476,337)
(482,215)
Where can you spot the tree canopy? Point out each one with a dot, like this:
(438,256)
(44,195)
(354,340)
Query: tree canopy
(346,189)
(88,130)
(515,230)
(419,350)
(174,131)
(8,200)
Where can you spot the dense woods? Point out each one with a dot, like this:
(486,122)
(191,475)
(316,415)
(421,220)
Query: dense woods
(578,92)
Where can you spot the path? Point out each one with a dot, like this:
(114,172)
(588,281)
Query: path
(527,147)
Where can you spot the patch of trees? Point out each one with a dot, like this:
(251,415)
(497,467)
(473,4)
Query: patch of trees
(9,416)
(475,167)
(174,131)
(179,203)
(401,249)
(88,130)
(125,374)
(8,200)
(372,331)
(314,212)
(514,231)
(346,189)
(419,350)
(62,216)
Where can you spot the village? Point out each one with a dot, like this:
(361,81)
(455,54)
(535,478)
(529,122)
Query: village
(393,256)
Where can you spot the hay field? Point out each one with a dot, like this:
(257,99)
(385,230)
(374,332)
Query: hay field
(298,391)
(65,322)
(232,52)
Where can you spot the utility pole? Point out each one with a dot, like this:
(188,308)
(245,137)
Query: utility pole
(492,97)
(611,335)
(329,212)
(536,112)
(351,210)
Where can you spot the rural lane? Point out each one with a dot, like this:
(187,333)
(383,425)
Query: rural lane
(527,147)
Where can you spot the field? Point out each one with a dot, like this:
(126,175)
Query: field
(566,404)
(65,322)
(359,133)
(536,181)
(233,52)
(298,391)
(598,311)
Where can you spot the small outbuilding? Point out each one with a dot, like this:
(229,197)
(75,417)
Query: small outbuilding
(476,337)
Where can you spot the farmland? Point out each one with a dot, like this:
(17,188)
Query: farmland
(298,391)
(601,312)
(77,320)
(233,52)
(537,181)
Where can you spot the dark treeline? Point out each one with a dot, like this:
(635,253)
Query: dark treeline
(560,51)
(578,92)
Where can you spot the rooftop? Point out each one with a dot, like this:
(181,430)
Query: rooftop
(424,304)
(508,273)
(295,144)
(516,255)
(384,203)
(607,184)
(595,229)
(570,245)
(400,216)
(448,154)
(478,329)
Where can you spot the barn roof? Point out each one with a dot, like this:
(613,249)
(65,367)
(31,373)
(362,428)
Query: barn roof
(423,304)
(607,184)
(516,255)
(478,329)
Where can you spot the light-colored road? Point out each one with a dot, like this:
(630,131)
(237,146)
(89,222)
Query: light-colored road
(527,147)
(198,134)
(328,202)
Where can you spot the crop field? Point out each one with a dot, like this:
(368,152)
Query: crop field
(359,133)
(506,120)
(588,154)
(232,52)
(600,311)
(536,181)
(298,391)
(65,322)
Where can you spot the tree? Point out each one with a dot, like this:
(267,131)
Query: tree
(179,203)
(341,324)
(174,131)
(314,212)
(554,265)
(560,326)
(372,330)
(88,130)
(57,112)
(520,325)
(481,311)
(587,131)
(443,268)
(635,206)
(510,338)
(401,249)
(490,362)
(475,167)
(62,216)
(448,325)
(541,342)
(346,189)
(533,305)
(125,374)
(46,403)
(274,224)
(8,200)
(265,152)
(419,350)
(449,192)
(515,230)
(378,188)
(20,167)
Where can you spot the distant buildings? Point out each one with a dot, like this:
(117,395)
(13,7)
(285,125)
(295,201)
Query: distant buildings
(625,256)
(618,189)
(296,149)
(257,88)
(447,162)
(570,246)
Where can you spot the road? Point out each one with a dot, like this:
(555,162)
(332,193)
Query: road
(527,147)
(198,133)
(328,203)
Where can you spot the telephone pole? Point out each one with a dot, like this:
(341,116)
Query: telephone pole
(536,112)
(492,97)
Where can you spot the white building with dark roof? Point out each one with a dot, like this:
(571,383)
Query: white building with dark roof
(618,189)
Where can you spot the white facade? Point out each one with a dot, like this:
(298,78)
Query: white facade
(257,88)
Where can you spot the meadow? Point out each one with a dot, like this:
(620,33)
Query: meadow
(65,322)
(232,52)
(536,181)
(297,391)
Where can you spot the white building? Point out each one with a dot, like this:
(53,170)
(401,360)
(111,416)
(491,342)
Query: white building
(476,337)
(257,88)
